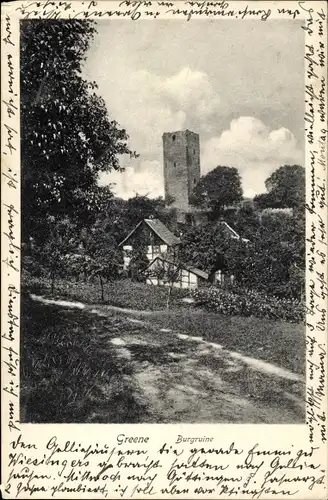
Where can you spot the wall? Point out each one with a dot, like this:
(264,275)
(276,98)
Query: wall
(152,252)
(185,280)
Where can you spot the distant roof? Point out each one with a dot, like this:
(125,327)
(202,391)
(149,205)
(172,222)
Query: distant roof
(234,234)
(159,229)
(274,211)
(194,270)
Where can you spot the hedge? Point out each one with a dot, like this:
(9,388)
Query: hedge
(249,303)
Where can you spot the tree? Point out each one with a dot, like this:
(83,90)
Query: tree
(273,261)
(285,188)
(138,257)
(172,273)
(245,221)
(205,247)
(67,136)
(138,264)
(217,189)
(167,272)
(141,207)
(101,258)
(55,253)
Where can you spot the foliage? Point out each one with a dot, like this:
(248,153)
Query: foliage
(210,247)
(243,302)
(67,136)
(220,187)
(103,258)
(75,254)
(119,217)
(285,188)
(245,221)
(273,260)
(202,247)
(141,207)
(274,254)
(54,255)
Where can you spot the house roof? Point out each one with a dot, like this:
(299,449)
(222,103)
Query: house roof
(194,270)
(162,232)
(159,229)
(233,233)
(198,272)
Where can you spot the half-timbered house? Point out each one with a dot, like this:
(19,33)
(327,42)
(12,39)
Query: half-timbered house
(155,237)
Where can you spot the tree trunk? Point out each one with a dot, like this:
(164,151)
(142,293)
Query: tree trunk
(52,282)
(102,288)
(169,296)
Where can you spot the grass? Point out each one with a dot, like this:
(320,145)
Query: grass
(272,341)
(121,293)
(68,372)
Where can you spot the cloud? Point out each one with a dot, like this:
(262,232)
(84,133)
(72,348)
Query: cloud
(254,149)
(147,180)
(148,105)
(157,81)
(142,109)
(193,92)
(248,145)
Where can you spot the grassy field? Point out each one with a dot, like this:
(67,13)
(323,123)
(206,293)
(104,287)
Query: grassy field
(99,365)
(121,293)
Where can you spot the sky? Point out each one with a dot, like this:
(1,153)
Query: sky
(238,84)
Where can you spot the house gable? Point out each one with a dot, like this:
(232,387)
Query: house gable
(151,234)
(154,232)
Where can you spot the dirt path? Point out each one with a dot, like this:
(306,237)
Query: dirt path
(188,380)
(179,378)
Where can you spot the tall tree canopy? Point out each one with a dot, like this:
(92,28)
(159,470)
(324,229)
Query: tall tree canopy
(67,136)
(285,188)
(206,247)
(273,260)
(217,189)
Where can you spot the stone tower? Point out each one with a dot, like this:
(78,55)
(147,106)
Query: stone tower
(181,166)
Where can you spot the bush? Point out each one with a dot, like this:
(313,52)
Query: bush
(33,284)
(249,303)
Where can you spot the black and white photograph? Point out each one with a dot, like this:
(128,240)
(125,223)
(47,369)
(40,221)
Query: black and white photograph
(163,222)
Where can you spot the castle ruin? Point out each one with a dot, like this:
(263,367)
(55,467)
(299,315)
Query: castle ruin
(181,154)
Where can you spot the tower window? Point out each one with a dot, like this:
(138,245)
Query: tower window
(174,164)
(173,137)
(195,180)
(194,151)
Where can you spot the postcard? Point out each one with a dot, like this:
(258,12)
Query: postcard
(164,249)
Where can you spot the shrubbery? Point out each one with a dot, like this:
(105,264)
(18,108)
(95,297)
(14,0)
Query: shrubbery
(249,303)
